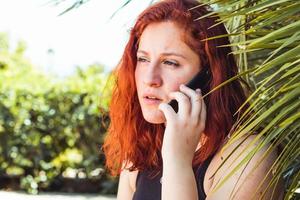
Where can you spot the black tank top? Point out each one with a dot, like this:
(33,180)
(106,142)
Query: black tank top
(150,188)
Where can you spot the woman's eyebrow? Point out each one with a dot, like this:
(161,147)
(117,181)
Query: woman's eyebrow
(164,54)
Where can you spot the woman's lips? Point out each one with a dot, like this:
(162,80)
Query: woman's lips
(151,101)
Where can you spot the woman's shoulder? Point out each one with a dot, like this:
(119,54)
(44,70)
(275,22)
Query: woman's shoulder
(131,175)
(126,188)
(236,150)
(248,173)
(132,179)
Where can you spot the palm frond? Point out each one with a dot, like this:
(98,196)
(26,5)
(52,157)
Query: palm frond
(265,37)
(72,6)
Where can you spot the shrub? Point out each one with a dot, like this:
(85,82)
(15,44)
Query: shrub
(50,128)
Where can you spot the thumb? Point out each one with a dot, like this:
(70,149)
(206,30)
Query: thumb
(168,111)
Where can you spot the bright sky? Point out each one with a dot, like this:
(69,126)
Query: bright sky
(81,37)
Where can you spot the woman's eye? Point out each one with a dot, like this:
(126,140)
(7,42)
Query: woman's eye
(167,62)
(141,59)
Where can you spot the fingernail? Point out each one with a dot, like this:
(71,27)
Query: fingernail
(159,106)
(198,90)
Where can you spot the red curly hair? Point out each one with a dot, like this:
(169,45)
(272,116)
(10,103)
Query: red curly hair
(131,139)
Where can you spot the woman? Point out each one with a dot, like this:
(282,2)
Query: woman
(163,154)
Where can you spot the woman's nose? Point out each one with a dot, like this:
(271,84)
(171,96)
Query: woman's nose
(152,77)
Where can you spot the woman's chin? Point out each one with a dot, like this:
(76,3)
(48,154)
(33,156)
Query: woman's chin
(157,118)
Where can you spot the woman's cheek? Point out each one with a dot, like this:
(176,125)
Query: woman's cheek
(175,85)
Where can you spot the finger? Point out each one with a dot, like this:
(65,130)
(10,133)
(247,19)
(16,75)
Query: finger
(203,114)
(184,105)
(168,111)
(198,104)
(195,100)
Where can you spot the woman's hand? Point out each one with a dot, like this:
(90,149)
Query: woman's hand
(183,129)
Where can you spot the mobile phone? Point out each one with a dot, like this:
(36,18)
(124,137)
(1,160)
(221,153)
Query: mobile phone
(198,81)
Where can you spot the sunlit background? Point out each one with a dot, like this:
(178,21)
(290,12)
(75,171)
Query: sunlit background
(81,37)
(52,74)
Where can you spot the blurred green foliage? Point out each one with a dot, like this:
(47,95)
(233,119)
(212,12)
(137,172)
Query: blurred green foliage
(51,126)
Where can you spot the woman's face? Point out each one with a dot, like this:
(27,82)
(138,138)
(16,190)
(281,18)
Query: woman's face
(164,62)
